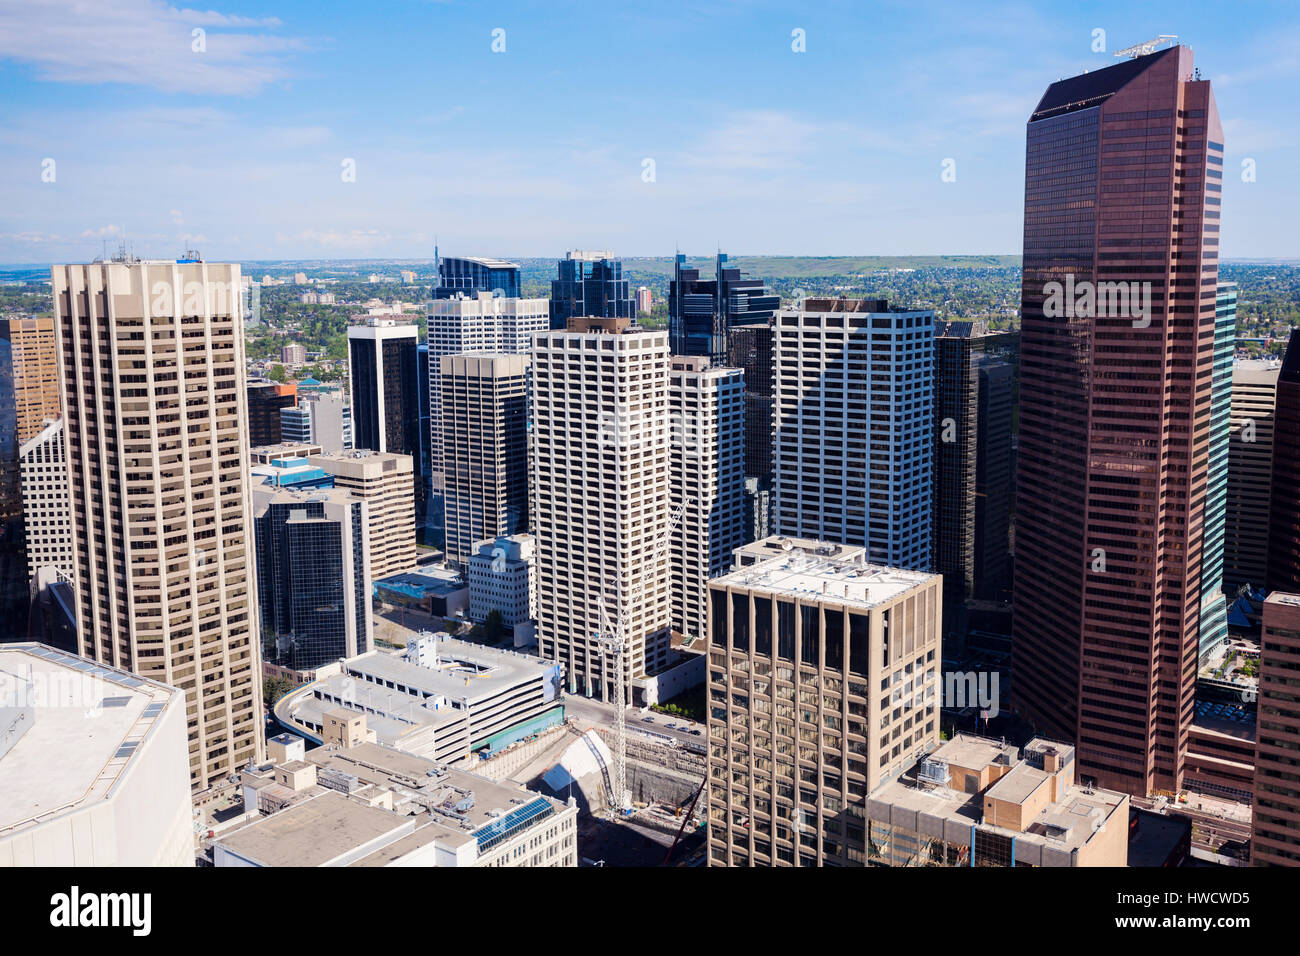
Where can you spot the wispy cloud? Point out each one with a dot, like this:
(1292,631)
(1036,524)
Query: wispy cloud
(145,43)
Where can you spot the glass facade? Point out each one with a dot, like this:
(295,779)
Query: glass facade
(470,275)
(590,287)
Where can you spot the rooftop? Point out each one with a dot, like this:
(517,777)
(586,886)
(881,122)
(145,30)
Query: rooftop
(850,581)
(315,832)
(84,725)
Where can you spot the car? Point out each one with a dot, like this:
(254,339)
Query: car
(697,733)
(647,720)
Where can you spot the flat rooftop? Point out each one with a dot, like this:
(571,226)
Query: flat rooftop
(314,832)
(87,724)
(852,581)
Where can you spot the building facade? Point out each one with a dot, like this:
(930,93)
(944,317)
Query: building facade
(266,400)
(1116,380)
(1250,473)
(707,481)
(313,576)
(502,577)
(158,462)
(1284,490)
(824,675)
(484,415)
(854,428)
(470,274)
(386,483)
(974,464)
(1275,836)
(601,501)
(1214,602)
(589,283)
(47,518)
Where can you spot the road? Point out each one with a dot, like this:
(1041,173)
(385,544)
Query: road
(602,714)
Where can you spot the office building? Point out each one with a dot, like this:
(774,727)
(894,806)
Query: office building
(1250,473)
(29,400)
(703,312)
(1275,837)
(163,547)
(386,483)
(385,395)
(313,575)
(601,501)
(589,284)
(1118,317)
(854,424)
(749,348)
(445,700)
(322,417)
(824,676)
(265,402)
(47,518)
(295,424)
(432,519)
(502,577)
(974,407)
(95,764)
(362,804)
(485,449)
(707,480)
(470,274)
(1214,603)
(1284,491)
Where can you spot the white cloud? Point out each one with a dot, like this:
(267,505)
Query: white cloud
(144,43)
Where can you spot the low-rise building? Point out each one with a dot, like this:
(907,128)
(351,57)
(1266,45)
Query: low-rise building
(463,699)
(364,804)
(501,578)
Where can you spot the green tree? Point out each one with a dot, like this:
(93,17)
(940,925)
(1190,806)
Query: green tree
(494,626)
(277,374)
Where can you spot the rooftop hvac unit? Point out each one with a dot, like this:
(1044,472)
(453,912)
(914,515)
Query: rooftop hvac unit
(934,771)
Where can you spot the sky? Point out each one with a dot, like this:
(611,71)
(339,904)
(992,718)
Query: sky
(275,129)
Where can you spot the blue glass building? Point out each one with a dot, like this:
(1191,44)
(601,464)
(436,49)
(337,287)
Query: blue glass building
(590,284)
(1214,609)
(470,274)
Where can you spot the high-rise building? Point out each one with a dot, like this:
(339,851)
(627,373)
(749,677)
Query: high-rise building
(974,373)
(1275,836)
(158,460)
(1122,196)
(29,400)
(431,522)
(589,284)
(1214,603)
(471,274)
(313,575)
(1250,473)
(293,354)
(644,301)
(1284,490)
(485,447)
(702,312)
(854,427)
(47,518)
(386,483)
(322,417)
(601,501)
(707,480)
(838,655)
(265,402)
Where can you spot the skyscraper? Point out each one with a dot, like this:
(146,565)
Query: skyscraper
(1275,830)
(385,481)
(1250,472)
(1122,195)
(702,312)
(29,400)
(707,479)
(854,424)
(824,673)
(973,466)
(485,444)
(265,402)
(600,496)
(47,521)
(470,274)
(157,445)
(1284,491)
(313,575)
(1214,603)
(589,284)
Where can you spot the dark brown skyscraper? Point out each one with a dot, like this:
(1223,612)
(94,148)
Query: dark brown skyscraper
(1284,510)
(1123,177)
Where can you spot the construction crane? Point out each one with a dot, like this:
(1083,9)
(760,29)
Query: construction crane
(1145,49)
(613,641)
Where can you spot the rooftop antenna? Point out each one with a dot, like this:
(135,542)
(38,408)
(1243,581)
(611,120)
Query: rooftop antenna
(1147,48)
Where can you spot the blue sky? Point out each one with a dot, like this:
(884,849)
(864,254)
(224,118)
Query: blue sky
(239,148)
